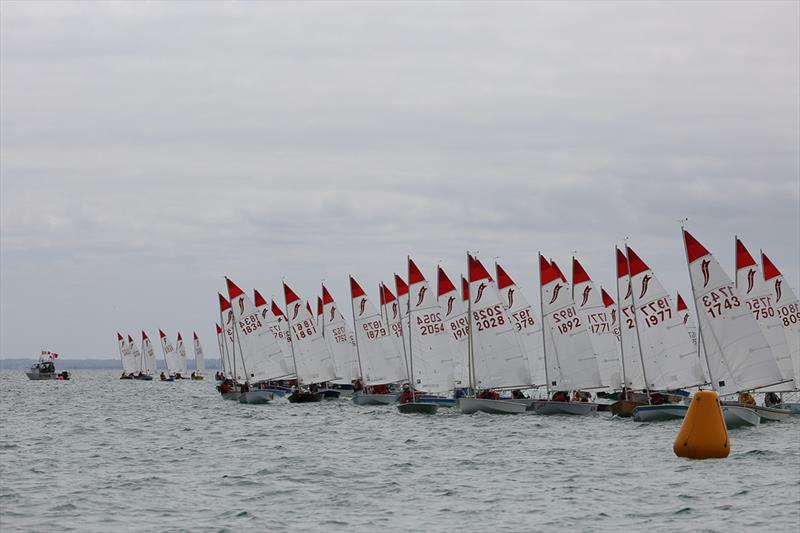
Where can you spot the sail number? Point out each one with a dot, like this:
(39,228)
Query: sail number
(598,323)
(459,328)
(490,317)
(374,329)
(304,328)
(523,319)
(656,311)
(430,324)
(789,314)
(761,307)
(249,324)
(717,300)
(567,320)
(339,335)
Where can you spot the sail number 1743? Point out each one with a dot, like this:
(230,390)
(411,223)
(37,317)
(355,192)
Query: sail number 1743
(718,300)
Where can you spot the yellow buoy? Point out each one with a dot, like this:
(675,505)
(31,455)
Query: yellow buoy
(703,434)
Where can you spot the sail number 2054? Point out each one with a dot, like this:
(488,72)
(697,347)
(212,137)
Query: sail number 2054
(718,300)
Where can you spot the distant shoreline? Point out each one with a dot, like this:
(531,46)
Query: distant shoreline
(90,364)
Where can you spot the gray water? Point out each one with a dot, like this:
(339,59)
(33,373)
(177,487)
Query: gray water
(100,454)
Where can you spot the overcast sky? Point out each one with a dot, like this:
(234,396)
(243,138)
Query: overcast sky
(148,150)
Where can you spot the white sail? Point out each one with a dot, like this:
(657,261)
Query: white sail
(199,358)
(570,358)
(182,363)
(788,309)
(136,354)
(337,336)
(313,359)
(456,323)
(275,320)
(600,318)
(691,330)
(261,354)
(431,356)
(528,327)
(381,361)
(148,356)
(171,358)
(629,346)
(396,322)
(670,358)
(758,296)
(738,355)
(126,356)
(497,354)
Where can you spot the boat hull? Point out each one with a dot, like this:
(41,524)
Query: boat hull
(657,413)
(793,408)
(418,408)
(360,398)
(549,407)
(304,397)
(502,407)
(767,414)
(35,376)
(437,400)
(330,394)
(256,397)
(624,408)
(232,396)
(737,416)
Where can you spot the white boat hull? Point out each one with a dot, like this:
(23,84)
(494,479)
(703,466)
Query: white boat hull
(656,413)
(35,376)
(256,397)
(473,405)
(767,414)
(233,396)
(359,398)
(549,407)
(736,416)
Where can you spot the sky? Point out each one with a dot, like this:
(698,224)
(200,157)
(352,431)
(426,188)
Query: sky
(147,150)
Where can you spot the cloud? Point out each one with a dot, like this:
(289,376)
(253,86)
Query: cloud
(150,149)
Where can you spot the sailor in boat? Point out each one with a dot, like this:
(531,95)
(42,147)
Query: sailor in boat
(488,394)
(745,398)
(771,399)
(560,396)
(517,394)
(178,375)
(407,396)
(219,376)
(162,377)
(358,385)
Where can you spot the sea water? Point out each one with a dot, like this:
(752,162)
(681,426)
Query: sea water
(100,454)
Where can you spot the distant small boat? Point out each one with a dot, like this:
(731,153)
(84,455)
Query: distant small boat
(45,369)
(199,360)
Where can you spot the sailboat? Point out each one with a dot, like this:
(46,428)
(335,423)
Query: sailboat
(595,310)
(129,366)
(529,329)
(379,361)
(273,318)
(456,323)
(148,357)
(171,358)
(199,359)
(312,358)
(229,388)
(669,357)
(260,354)
(182,368)
(630,356)
(496,359)
(392,315)
(570,361)
(138,361)
(737,354)
(430,354)
(337,335)
(788,309)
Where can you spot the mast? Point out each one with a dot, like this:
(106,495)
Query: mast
(636,323)
(619,340)
(470,347)
(408,316)
(355,330)
(700,337)
(544,340)
(291,341)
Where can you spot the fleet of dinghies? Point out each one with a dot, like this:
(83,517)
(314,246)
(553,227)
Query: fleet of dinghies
(141,364)
(481,346)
